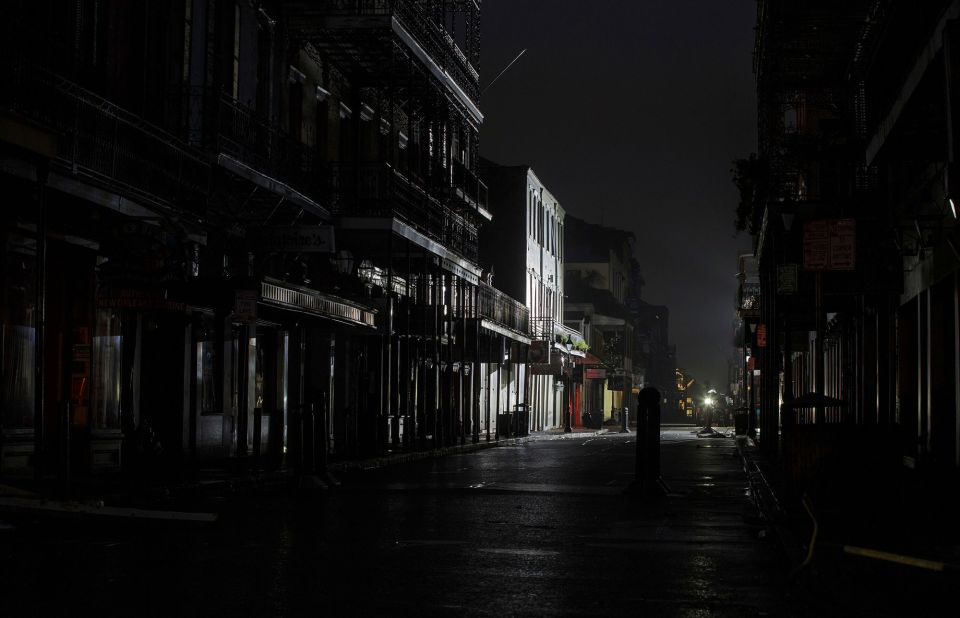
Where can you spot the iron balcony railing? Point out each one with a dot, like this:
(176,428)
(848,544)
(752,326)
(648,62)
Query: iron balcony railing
(314,302)
(480,302)
(415,16)
(494,305)
(749,297)
(379,190)
(104,141)
(215,121)
(467,186)
(550,329)
(567,334)
(541,328)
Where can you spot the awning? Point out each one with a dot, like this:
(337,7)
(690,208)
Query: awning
(273,185)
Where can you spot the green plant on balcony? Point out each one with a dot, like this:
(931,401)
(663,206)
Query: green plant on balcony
(581,346)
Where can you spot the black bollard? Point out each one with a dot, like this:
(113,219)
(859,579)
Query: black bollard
(647,481)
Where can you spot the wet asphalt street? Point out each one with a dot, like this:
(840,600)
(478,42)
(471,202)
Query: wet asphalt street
(541,528)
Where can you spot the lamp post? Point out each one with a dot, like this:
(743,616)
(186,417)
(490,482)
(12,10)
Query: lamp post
(708,402)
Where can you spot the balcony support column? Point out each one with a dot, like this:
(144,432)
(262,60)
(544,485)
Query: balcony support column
(466,402)
(390,411)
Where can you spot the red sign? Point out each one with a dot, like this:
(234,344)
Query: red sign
(843,244)
(596,372)
(830,244)
(816,245)
(761,335)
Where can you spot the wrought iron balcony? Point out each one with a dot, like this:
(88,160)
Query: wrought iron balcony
(467,189)
(549,329)
(379,190)
(414,24)
(496,306)
(106,142)
(567,334)
(217,122)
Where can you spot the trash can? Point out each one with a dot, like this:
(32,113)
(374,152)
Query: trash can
(520,420)
(740,423)
(504,420)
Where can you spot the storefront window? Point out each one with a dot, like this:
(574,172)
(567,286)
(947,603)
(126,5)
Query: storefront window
(107,354)
(206,382)
(18,332)
(206,369)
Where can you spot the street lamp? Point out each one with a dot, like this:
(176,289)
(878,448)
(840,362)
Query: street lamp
(708,401)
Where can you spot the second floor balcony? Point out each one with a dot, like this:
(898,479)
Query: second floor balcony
(555,331)
(218,124)
(498,307)
(377,189)
(103,142)
(467,189)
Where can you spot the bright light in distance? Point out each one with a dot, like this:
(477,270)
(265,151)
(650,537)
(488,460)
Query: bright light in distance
(708,401)
(953,207)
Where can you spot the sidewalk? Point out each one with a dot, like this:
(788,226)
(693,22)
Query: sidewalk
(891,554)
(198,489)
(119,495)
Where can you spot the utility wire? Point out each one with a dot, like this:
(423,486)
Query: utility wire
(503,71)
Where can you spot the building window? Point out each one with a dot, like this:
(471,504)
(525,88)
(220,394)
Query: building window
(208,391)
(551,235)
(539,222)
(530,212)
(206,385)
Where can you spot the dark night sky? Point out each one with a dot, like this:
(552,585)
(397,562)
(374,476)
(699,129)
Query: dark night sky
(632,111)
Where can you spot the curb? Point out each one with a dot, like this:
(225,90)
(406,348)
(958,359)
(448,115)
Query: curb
(786,541)
(572,434)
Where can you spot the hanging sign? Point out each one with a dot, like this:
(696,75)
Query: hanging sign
(830,244)
(761,335)
(245,305)
(816,245)
(843,244)
(787,279)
